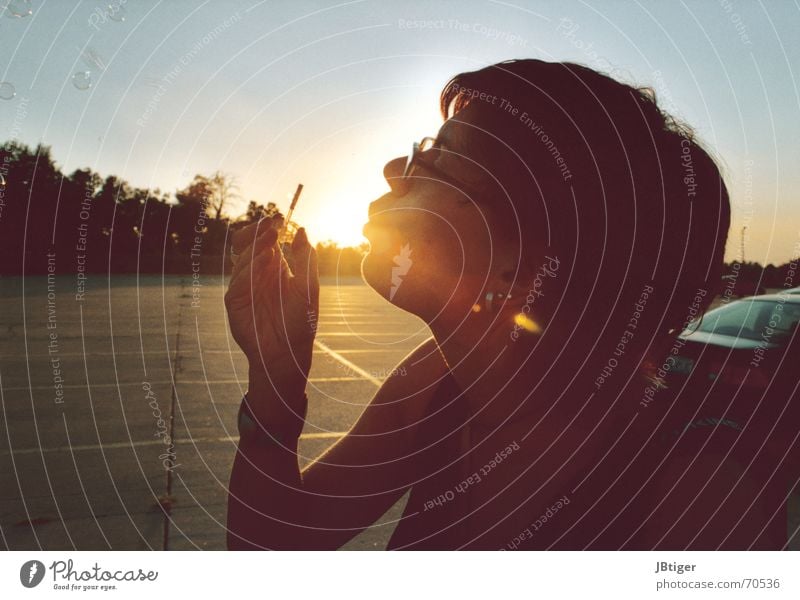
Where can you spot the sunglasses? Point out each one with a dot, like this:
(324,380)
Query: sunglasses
(418,159)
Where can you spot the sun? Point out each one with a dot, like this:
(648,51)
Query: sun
(340,214)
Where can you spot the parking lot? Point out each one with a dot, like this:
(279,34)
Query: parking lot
(83,464)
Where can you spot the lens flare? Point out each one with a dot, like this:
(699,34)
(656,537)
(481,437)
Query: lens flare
(526,323)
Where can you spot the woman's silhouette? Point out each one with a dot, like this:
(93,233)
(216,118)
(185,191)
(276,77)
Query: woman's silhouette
(556,235)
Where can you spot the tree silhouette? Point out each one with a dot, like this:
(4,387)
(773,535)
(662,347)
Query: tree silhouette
(43,212)
(223,191)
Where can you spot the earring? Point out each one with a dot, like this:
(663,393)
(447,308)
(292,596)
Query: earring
(491,297)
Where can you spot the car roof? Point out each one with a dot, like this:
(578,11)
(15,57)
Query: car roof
(785,297)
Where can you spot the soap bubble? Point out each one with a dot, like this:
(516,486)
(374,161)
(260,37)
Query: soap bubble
(82,80)
(7,90)
(116,12)
(17,9)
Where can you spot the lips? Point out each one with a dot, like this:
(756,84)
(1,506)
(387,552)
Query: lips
(381,237)
(373,227)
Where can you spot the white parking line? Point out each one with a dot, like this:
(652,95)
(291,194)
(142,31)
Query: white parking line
(350,365)
(159,352)
(178,383)
(327,435)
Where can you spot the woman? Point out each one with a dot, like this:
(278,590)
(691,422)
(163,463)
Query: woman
(556,236)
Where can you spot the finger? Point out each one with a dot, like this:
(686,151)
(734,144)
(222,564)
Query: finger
(272,277)
(254,274)
(270,287)
(271,281)
(243,286)
(265,240)
(246,236)
(306,270)
(243,237)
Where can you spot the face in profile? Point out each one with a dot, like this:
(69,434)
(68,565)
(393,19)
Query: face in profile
(431,243)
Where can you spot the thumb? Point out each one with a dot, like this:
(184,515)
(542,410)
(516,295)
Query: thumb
(306,271)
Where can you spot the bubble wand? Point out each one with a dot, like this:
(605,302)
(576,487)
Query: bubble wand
(282,234)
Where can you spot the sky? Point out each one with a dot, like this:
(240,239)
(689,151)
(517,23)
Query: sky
(280,92)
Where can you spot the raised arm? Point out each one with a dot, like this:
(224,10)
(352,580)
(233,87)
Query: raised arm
(272,315)
(271,505)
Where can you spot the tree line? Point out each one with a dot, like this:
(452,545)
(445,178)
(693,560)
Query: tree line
(106,225)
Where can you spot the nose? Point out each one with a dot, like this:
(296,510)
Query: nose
(393,173)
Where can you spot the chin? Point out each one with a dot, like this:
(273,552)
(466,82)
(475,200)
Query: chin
(383,274)
(376,272)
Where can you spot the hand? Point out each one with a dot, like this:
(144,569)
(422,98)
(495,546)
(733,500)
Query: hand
(272,313)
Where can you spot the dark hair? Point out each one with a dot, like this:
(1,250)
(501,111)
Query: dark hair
(594,171)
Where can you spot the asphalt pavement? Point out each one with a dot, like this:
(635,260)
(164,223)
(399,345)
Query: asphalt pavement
(85,462)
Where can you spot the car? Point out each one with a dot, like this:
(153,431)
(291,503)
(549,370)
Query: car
(748,343)
(735,372)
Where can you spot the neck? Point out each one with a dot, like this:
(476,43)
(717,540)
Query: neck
(488,365)
(504,379)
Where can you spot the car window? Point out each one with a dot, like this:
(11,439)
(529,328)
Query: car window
(784,318)
(738,319)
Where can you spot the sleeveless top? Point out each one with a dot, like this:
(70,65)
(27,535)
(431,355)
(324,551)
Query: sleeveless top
(613,506)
